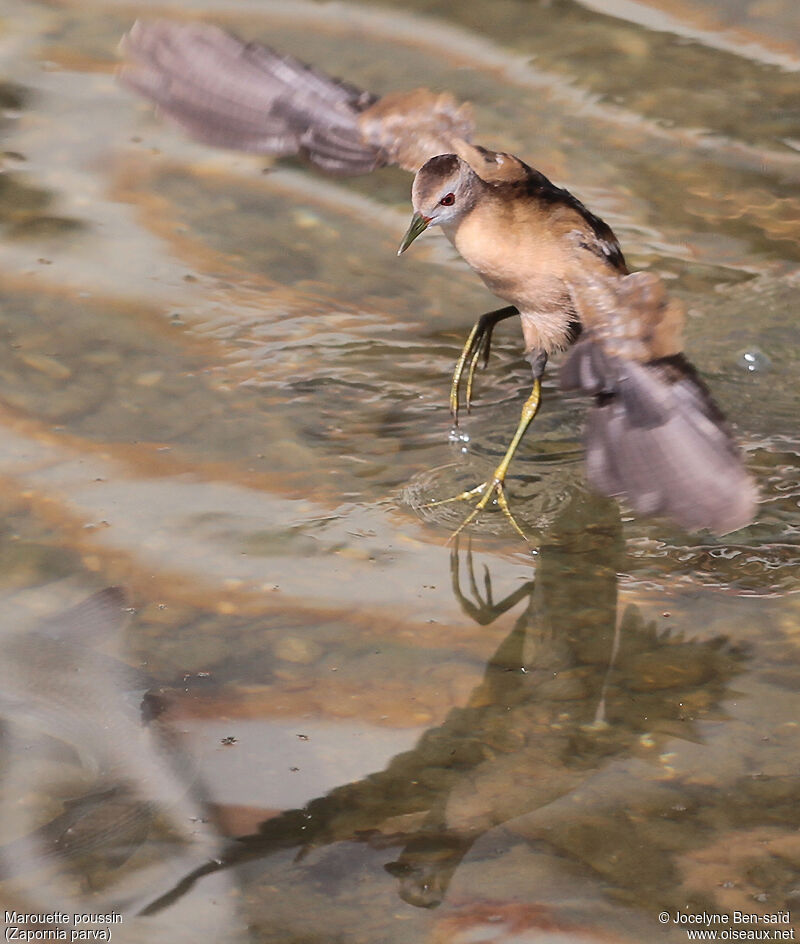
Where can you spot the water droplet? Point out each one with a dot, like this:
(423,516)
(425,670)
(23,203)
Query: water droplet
(753,361)
(457,437)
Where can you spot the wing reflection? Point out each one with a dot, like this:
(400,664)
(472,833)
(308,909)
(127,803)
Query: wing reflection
(95,804)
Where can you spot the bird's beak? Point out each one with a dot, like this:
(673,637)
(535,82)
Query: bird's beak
(419,224)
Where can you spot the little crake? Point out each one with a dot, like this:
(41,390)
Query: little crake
(654,436)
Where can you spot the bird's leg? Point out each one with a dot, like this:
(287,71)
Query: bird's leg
(479,342)
(496,484)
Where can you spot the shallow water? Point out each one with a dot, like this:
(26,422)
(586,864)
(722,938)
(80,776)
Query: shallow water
(221,390)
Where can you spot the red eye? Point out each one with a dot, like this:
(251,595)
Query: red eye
(447,200)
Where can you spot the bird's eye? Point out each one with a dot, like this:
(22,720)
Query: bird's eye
(447,200)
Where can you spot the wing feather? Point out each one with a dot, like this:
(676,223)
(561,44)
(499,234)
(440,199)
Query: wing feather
(654,436)
(248,97)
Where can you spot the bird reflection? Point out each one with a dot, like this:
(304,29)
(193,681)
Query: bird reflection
(572,687)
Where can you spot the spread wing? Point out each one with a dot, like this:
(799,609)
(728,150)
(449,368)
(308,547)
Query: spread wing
(654,436)
(248,97)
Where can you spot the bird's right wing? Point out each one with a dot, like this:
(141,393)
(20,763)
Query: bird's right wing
(654,436)
(248,97)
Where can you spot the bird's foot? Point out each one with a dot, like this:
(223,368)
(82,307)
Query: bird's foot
(478,342)
(478,345)
(493,488)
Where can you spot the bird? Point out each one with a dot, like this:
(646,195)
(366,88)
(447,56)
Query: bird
(654,436)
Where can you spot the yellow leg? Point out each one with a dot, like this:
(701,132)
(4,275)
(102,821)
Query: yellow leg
(496,484)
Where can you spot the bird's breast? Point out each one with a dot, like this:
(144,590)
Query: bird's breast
(516,262)
(523,267)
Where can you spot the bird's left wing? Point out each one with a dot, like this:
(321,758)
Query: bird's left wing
(249,97)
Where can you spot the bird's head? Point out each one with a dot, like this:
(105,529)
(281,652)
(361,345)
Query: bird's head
(443,191)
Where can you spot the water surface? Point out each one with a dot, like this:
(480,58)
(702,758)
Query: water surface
(309,718)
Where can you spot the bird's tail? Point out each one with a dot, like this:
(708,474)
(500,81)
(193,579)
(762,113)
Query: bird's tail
(247,97)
